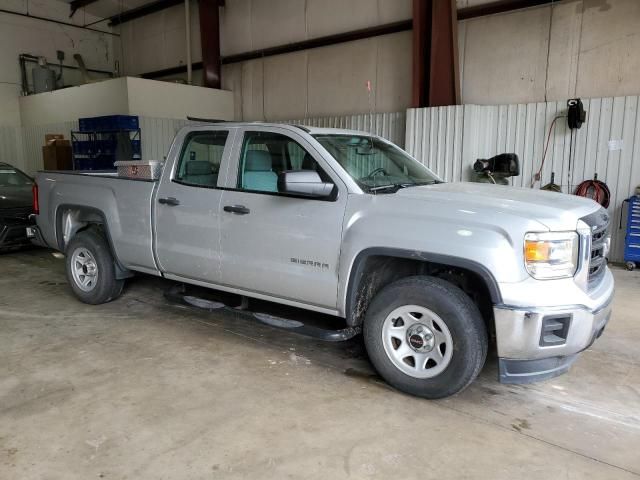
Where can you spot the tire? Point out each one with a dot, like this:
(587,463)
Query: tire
(425,319)
(630,266)
(94,281)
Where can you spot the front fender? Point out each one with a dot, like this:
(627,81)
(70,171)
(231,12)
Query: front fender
(381,226)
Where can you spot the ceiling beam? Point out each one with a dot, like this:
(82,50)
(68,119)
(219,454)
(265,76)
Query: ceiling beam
(77,4)
(499,6)
(143,10)
(401,26)
(146,9)
(335,39)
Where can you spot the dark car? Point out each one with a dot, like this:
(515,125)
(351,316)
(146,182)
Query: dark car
(16,205)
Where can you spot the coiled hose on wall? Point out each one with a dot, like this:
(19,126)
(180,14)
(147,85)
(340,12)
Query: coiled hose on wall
(595,190)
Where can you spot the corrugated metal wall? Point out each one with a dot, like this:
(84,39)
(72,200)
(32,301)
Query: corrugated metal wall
(387,125)
(157,135)
(450,139)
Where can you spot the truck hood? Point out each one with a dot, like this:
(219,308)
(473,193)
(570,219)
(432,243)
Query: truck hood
(555,211)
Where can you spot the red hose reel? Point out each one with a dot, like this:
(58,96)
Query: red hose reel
(595,190)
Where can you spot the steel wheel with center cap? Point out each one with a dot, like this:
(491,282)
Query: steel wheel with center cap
(91,268)
(417,341)
(84,269)
(425,336)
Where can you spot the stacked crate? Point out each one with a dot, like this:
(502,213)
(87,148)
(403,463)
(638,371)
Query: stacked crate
(95,145)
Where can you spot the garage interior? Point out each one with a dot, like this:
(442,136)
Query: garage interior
(142,387)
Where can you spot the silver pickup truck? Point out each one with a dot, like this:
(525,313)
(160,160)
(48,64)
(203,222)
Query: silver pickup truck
(347,224)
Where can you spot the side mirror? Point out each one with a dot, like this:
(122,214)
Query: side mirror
(303,182)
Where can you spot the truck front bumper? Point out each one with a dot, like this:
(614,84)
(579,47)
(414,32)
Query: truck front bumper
(537,343)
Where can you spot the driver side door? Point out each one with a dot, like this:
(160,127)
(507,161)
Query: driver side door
(276,244)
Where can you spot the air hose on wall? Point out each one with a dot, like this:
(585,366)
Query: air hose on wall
(595,190)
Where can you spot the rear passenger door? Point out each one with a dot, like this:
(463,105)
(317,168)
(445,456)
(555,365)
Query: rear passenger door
(187,208)
(276,244)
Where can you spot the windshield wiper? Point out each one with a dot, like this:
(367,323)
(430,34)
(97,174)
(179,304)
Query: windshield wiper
(419,184)
(391,187)
(394,187)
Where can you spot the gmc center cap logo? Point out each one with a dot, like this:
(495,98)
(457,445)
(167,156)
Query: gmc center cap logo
(416,341)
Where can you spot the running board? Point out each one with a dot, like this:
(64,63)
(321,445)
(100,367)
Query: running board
(178,295)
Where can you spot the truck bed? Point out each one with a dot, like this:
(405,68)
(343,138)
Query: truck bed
(124,203)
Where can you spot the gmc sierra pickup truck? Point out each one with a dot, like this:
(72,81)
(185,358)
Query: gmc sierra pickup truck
(348,224)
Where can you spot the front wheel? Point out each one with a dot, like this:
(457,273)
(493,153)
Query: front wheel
(91,268)
(425,337)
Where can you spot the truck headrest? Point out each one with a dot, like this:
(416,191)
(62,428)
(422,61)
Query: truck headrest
(198,167)
(258,161)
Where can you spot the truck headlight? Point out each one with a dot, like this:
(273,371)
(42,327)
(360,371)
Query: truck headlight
(551,254)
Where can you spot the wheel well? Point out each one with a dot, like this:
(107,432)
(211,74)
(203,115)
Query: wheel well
(72,219)
(377,271)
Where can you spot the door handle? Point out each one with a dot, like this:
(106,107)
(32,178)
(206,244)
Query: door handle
(170,201)
(239,209)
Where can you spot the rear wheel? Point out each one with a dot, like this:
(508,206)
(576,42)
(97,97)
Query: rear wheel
(425,337)
(91,269)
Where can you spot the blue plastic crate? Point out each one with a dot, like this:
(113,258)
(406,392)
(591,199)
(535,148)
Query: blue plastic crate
(127,122)
(109,123)
(87,124)
(81,147)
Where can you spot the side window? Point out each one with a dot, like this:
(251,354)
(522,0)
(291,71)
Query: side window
(265,154)
(200,160)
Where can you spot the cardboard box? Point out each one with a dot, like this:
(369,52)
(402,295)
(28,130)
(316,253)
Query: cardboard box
(57,157)
(52,138)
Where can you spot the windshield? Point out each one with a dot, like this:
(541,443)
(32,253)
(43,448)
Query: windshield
(10,177)
(374,164)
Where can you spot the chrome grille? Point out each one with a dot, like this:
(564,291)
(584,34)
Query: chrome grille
(599,224)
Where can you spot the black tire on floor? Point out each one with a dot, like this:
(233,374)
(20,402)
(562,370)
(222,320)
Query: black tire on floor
(107,287)
(455,309)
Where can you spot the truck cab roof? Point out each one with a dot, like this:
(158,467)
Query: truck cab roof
(289,126)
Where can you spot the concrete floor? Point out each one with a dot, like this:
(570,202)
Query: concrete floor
(141,389)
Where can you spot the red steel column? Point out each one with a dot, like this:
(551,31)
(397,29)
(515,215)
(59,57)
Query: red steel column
(210,41)
(444,87)
(435,53)
(421,52)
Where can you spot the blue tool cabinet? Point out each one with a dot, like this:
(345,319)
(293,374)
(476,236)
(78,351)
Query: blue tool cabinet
(632,238)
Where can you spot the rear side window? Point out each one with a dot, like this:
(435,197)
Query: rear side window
(201,157)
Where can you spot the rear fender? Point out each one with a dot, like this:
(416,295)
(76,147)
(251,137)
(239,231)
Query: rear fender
(72,219)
